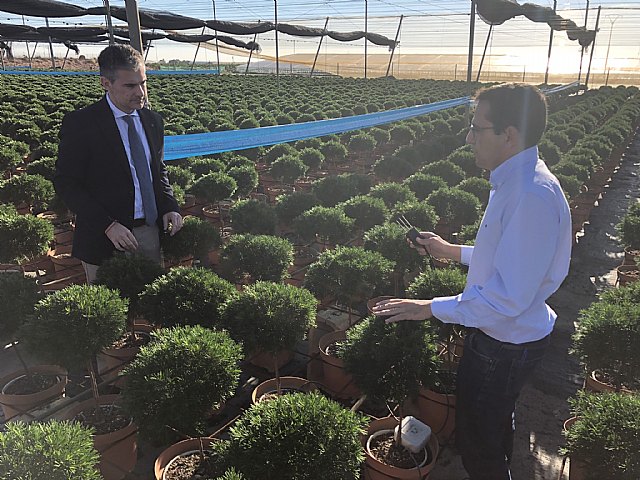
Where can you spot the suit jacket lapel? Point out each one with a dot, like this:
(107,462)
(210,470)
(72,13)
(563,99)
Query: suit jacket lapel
(150,129)
(107,124)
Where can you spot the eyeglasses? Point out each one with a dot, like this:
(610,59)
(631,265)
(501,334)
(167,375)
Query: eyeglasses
(474,129)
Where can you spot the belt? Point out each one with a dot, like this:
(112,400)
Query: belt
(139,222)
(543,342)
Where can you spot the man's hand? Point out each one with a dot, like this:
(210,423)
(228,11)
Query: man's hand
(172,222)
(435,246)
(121,237)
(398,309)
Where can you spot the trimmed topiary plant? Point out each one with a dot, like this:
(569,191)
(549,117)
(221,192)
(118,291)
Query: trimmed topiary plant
(178,378)
(254,217)
(196,237)
(23,237)
(262,257)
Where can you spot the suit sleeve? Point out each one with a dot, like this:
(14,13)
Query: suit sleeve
(70,175)
(166,201)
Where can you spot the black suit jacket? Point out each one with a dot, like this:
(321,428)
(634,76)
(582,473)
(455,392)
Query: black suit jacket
(94,180)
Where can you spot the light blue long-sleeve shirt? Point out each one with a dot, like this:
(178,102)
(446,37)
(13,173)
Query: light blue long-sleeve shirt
(520,257)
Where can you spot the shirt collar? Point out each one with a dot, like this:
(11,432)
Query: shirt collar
(117,112)
(505,170)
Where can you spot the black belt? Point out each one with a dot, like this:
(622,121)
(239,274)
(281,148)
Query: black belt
(543,342)
(139,222)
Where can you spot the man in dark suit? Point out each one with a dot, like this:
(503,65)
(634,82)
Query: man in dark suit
(110,171)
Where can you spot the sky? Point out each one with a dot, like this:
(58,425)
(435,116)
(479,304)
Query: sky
(428,26)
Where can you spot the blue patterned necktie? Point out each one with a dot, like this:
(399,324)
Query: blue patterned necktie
(140,163)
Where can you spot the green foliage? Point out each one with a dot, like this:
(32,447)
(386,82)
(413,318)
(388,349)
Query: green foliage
(451,173)
(334,151)
(203,166)
(72,325)
(44,166)
(178,378)
(401,134)
(298,436)
(392,193)
(270,317)
(128,274)
(392,167)
(180,176)
(186,296)
(9,157)
(47,451)
(607,338)
(289,206)
(338,188)
(365,210)
(391,361)
(477,186)
(419,214)
(311,157)
(349,275)
(263,257)
(246,177)
(288,168)
(422,184)
(629,229)
(606,435)
(196,237)
(23,236)
(455,205)
(278,151)
(253,216)
(214,187)
(362,142)
(330,224)
(437,282)
(33,190)
(18,296)
(570,184)
(389,240)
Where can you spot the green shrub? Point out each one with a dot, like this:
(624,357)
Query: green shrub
(204,166)
(72,325)
(288,168)
(362,142)
(330,224)
(278,151)
(420,214)
(570,184)
(253,216)
(334,152)
(422,184)
(389,240)
(289,206)
(47,451)
(629,229)
(451,173)
(18,296)
(214,187)
(391,167)
(180,176)
(366,211)
(186,296)
(270,317)
(311,157)
(263,257)
(338,188)
(437,282)
(23,236)
(392,193)
(33,190)
(457,206)
(246,177)
(196,237)
(477,186)
(606,435)
(178,378)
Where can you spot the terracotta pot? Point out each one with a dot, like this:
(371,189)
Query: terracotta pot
(291,383)
(268,361)
(118,450)
(577,469)
(337,381)
(592,384)
(64,263)
(627,274)
(376,470)
(630,256)
(176,450)
(438,410)
(16,405)
(112,360)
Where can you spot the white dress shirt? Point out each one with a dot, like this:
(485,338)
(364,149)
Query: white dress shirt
(520,257)
(123,128)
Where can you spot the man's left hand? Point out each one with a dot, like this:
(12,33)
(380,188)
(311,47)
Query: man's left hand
(398,309)
(172,222)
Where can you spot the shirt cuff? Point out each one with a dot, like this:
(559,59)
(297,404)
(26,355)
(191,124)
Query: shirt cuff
(443,308)
(466,251)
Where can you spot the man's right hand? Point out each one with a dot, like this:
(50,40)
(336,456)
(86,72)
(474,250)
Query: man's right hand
(121,237)
(437,247)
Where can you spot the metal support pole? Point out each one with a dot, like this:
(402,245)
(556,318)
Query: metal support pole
(215,31)
(546,73)
(366,27)
(64,62)
(146,52)
(255,36)
(33,55)
(586,16)
(133,19)
(315,59)
(27,43)
(107,11)
(593,46)
(606,58)
(2,57)
(395,41)
(484,52)
(53,58)
(197,49)
(275,10)
(472,31)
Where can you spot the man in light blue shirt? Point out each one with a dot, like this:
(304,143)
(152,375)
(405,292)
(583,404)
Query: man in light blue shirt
(520,257)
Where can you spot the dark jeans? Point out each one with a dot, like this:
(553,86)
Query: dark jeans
(491,375)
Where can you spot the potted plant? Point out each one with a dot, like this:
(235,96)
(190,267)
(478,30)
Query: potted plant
(246,177)
(214,187)
(629,229)
(301,436)
(289,206)
(186,296)
(288,168)
(312,158)
(338,188)
(392,193)
(261,257)
(178,379)
(52,450)
(605,341)
(603,436)
(456,206)
(28,387)
(69,328)
(196,238)
(389,362)
(269,319)
(32,192)
(365,210)
(23,237)
(328,225)
(205,456)
(349,275)
(254,217)
(129,275)
(422,184)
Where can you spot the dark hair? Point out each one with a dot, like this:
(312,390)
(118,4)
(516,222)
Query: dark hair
(116,57)
(521,106)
